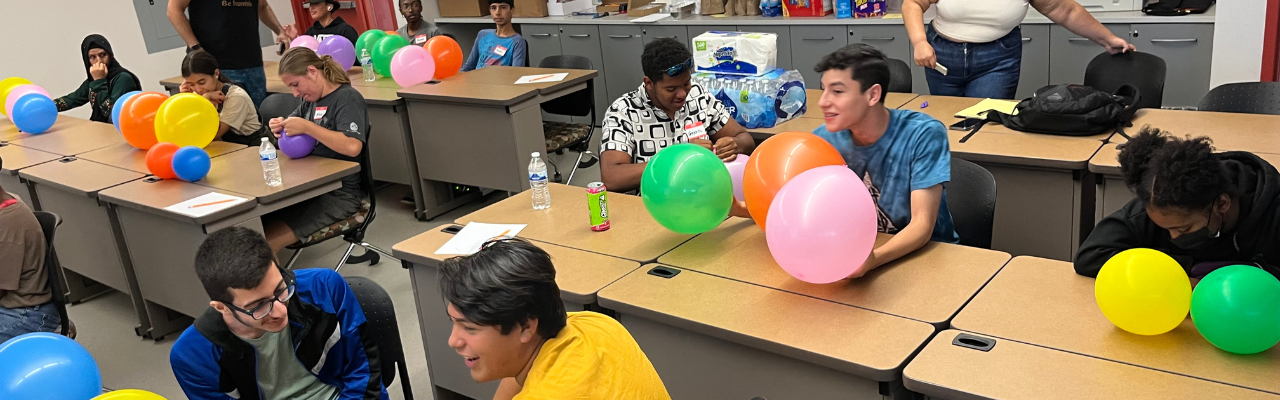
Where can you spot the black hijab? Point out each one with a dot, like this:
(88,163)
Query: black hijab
(96,41)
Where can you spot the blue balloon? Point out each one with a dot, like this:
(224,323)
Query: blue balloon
(44,365)
(191,163)
(34,113)
(119,105)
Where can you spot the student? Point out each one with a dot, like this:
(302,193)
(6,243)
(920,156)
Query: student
(666,109)
(326,24)
(335,115)
(271,333)
(509,324)
(500,46)
(238,117)
(107,80)
(1207,210)
(902,155)
(415,28)
(25,301)
(229,31)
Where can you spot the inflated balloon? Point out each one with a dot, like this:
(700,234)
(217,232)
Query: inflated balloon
(187,119)
(367,40)
(191,163)
(130,394)
(1143,291)
(138,120)
(822,225)
(160,160)
(34,113)
(736,169)
(119,106)
(776,161)
(341,49)
(687,189)
(447,54)
(412,65)
(307,41)
(44,365)
(8,84)
(296,146)
(18,92)
(1237,308)
(384,50)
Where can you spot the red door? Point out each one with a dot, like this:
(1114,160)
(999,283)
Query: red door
(1271,43)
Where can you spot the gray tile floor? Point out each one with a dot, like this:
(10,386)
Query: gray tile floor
(130,362)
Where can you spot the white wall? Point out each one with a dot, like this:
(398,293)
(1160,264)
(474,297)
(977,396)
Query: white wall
(42,42)
(1237,41)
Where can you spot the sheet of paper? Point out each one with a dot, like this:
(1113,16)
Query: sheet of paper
(542,78)
(475,234)
(651,18)
(892,16)
(979,110)
(207,204)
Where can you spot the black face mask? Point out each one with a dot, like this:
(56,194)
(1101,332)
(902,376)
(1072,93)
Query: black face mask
(1201,239)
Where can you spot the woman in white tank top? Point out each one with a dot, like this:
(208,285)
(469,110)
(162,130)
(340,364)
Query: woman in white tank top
(980,43)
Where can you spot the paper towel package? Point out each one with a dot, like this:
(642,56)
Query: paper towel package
(735,53)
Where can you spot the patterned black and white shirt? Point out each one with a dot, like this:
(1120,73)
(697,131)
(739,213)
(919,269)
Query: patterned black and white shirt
(635,126)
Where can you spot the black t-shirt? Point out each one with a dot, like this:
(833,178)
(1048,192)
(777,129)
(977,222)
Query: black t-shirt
(337,27)
(228,29)
(343,111)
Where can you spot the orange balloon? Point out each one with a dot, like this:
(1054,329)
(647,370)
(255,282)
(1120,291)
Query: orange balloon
(447,54)
(776,161)
(391,32)
(138,119)
(160,160)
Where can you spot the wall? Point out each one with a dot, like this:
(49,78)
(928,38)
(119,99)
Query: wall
(1237,41)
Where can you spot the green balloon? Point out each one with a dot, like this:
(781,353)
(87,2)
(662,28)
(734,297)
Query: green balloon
(1237,308)
(367,39)
(687,189)
(383,50)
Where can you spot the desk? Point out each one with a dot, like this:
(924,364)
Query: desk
(241,172)
(580,274)
(716,338)
(1229,131)
(124,155)
(633,234)
(77,137)
(928,285)
(10,132)
(15,159)
(1014,370)
(1044,303)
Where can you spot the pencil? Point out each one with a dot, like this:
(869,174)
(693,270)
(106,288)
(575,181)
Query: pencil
(541,78)
(212,203)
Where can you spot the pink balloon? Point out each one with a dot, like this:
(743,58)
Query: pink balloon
(412,65)
(307,41)
(17,93)
(736,168)
(822,225)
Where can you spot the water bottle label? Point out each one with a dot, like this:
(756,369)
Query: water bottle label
(537,177)
(267,156)
(365,61)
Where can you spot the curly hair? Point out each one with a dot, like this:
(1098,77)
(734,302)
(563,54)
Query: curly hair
(661,54)
(1165,171)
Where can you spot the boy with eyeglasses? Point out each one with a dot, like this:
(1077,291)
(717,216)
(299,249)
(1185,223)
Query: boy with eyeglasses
(271,333)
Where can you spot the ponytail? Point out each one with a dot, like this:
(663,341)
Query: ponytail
(296,60)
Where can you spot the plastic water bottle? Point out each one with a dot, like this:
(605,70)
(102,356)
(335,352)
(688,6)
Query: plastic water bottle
(538,183)
(270,165)
(366,63)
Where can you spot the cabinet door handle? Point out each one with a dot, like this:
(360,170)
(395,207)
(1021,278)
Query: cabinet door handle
(664,37)
(1026,39)
(825,38)
(620,36)
(1078,39)
(879,38)
(1174,40)
(540,34)
(583,35)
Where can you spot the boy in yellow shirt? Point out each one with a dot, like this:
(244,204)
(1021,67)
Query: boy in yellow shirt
(509,324)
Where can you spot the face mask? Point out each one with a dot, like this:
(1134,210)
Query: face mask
(1201,239)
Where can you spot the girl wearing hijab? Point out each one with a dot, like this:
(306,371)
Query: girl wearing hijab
(236,113)
(107,80)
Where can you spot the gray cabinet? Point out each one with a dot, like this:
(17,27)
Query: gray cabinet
(890,39)
(584,40)
(677,32)
(1070,53)
(809,44)
(784,41)
(621,46)
(543,41)
(695,30)
(1035,60)
(1187,50)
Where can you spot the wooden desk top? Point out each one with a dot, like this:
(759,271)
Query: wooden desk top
(80,176)
(843,338)
(126,156)
(9,131)
(17,157)
(930,285)
(457,91)
(633,235)
(805,125)
(152,195)
(241,172)
(1229,131)
(79,137)
(502,75)
(1013,370)
(1106,162)
(580,274)
(1044,303)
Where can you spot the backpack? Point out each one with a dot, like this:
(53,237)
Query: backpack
(1069,110)
(1176,7)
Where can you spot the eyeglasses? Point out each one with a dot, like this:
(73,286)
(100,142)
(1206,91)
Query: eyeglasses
(281,295)
(678,69)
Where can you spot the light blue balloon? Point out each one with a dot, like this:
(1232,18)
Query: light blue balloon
(191,163)
(34,113)
(44,365)
(119,105)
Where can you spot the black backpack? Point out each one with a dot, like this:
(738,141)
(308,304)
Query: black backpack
(1069,110)
(1176,7)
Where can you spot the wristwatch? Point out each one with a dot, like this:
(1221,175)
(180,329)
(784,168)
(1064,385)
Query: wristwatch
(193,48)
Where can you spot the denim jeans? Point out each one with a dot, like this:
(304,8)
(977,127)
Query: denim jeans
(252,80)
(19,321)
(984,70)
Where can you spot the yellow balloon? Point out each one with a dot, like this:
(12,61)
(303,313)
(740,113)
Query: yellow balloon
(1143,291)
(187,119)
(129,394)
(8,84)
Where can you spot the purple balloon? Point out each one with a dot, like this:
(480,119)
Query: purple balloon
(297,146)
(341,49)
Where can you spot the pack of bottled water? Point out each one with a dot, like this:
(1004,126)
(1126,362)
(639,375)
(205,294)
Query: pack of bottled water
(761,101)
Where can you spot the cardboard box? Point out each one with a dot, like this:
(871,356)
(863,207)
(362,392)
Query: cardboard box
(568,7)
(646,10)
(609,8)
(806,8)
(463,8)
(634,4)
(527,9)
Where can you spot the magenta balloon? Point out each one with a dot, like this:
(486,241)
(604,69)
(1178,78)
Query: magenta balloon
(17,92)
(307,41)
(412,65)
(297,146)
(822,225)
(341,49)
(736,168)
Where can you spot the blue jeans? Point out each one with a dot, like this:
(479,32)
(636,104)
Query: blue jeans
(984,70)
(252,80)
(19,321)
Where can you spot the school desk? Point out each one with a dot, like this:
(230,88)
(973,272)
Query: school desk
(78,137)
(241,172)
(15,159)
(1112,192)
(580,274)
(715,338)
(633,234)
(1045,303)
(991,368)
(124,155)
(1229,131)
(9,132)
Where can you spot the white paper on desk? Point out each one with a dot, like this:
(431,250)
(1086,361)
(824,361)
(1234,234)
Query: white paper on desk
(475,234)
(651,18)
(542,78)
(207,204)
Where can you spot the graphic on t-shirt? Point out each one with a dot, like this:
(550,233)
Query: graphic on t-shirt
(883,223)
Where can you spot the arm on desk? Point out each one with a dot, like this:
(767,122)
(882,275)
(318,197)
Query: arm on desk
(732,139)
(1114,234)
(924,214)
(618,173)
(474,56)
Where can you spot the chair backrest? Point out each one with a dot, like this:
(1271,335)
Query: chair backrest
(577,104)
(899,76)
(1145,71)
(381,316)
(53,269)
(277,105)
(971,198)
(1245,97)
(367,187)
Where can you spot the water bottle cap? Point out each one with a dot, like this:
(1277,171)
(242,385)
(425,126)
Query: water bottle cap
(536,154)
(264,139)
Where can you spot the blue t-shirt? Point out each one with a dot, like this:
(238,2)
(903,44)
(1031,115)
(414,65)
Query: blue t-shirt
(913,154)
(490,49)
